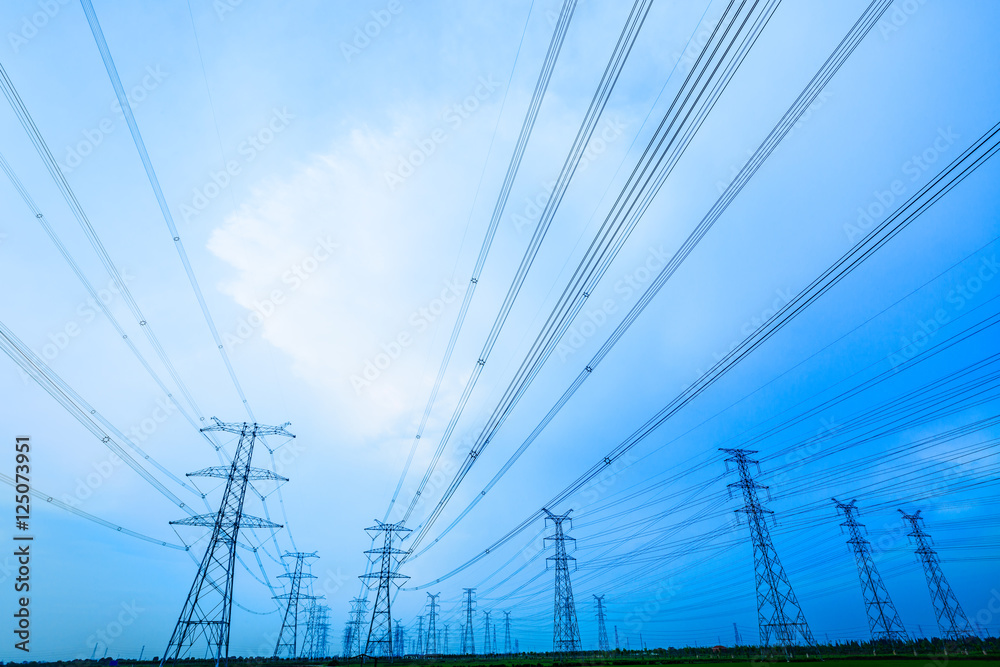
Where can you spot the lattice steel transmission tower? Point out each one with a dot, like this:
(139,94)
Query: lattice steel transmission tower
(359,607)
(602,631)
(565,628)
(379,641)
(208,608)
(400,640)
(289,636)
(778,611)
(486,634)
(420,636)
(314,642)
(506,633)
(468,634)
(951,619)
(883,620)
(444,648)
(431,645)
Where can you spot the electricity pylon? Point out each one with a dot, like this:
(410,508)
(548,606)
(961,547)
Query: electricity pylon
(431,645)
(379,641)
(208,608)
(602,631)
(736,633)
(420,636)
(618,646)
(883,620)
(359,606)
(400,640)
(288,637)
(314,641)
(565,628)
(444,648)
(951,619)
(506,633)
(778,610)
(486,634)
(468,636)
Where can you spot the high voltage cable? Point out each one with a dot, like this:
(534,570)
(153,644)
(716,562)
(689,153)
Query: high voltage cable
(154,182)
(68,257)
(681,121)
(600,98)
(970,159)
(548,65)
(94,422)
(781,129)
(90,517)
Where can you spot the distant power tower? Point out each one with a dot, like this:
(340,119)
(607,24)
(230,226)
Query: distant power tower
(420,636)
(431,647)
(379,642)
(618,646)
(314,642)
(444,647)
(353,642)
(468,636)
(399,639)
(736,634)
(486,634)
(602,631)
(208,608)
(288,637)
(883,620)
(506,633)
(952,621)
(778,611)
(565,628)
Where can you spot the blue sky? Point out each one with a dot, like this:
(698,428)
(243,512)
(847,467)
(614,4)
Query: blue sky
(313,122)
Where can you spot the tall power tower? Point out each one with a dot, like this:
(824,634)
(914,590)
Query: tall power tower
(506,633)
(602,631)
(778,612)
(421,649)
(288,637)
(565,628)
(883,620)
(208,608)
(468,636)
(431,645)
(736,636)
(951,619)
(486,634)
(444,647)
(385,574)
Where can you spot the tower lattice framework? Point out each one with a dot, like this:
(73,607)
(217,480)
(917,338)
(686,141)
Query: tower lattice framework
(288,638)
(883,620)
(565,627)
(207,610)
(506,633)
(951,619)
(779,615)
(468,634)
(379,641)
(602,631)
(431,645)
